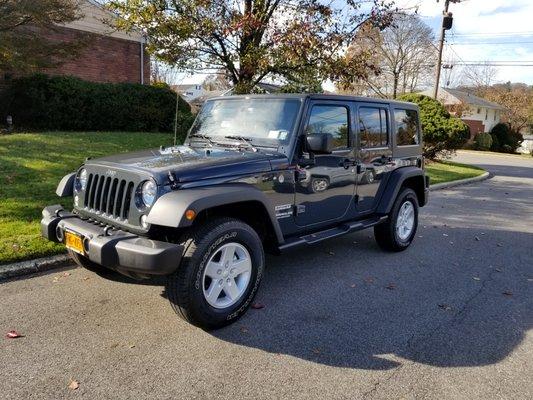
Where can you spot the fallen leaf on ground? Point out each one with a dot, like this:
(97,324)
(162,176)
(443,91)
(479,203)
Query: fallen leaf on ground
(499,245)
(13,335)
(352,285)
(86,278)
(316,350)
(244,330)
(369,280)
(477,238)
(529,279)
(445,234)
(476,278)
(507,293)
(131,346)
(445,306)
(66,274)
(73,385)
(258,306)
(331,253)
(498,270)
(390,286)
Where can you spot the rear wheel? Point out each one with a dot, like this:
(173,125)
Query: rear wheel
(219,274)
(399,231)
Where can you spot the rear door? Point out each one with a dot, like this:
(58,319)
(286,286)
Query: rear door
(374,155)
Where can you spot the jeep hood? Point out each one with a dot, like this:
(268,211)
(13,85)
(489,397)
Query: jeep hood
(192,163)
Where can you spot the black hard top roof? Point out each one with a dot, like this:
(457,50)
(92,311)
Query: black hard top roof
(316,96)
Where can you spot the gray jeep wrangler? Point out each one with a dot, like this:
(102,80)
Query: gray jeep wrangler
(255,174)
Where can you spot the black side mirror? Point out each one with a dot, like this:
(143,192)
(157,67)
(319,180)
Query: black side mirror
(320,143)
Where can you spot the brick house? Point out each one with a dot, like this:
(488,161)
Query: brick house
(106,56)
(479,114)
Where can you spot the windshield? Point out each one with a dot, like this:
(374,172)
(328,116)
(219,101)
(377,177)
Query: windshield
(267,122)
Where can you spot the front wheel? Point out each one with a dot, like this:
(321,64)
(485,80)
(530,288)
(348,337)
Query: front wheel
(219,274)
(399,231)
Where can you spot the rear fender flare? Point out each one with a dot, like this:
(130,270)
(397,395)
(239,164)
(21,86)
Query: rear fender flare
(394,184)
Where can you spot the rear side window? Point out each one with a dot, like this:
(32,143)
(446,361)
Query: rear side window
(407,133)
(373,127)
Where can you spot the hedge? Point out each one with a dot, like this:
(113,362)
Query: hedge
(67,103)
(442,133)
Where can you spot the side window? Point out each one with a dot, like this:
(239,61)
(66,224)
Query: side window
(373,127)
(330,119)
(406,127)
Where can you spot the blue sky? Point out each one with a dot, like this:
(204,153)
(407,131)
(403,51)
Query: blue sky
(486,30)
(483,31)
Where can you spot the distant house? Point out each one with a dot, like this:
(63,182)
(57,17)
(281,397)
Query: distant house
(189,92)
(196,95)
(106,56)
(479,114)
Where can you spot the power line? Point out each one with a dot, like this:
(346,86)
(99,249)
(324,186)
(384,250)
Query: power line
(476,43)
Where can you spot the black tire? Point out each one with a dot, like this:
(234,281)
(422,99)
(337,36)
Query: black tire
(386,233)
(84,262)
(184,288)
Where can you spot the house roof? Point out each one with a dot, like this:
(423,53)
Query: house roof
(449,96)
(468,98)
(94,15)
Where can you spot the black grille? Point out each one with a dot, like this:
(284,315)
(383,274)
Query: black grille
(110,196)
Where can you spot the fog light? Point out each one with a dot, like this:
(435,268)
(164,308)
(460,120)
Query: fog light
(76,200)
(59,234)
(144,224)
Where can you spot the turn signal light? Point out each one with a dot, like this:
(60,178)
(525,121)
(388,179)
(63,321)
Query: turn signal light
(190,214)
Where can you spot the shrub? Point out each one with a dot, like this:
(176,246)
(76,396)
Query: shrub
(505,140)
(441,132)
(68,103)
(483,141)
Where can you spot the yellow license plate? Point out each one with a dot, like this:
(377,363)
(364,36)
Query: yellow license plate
(74,242)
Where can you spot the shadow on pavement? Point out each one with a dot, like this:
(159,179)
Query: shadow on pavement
(371,311)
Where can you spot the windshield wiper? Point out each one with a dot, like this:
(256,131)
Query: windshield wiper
(202,136)
(243,141)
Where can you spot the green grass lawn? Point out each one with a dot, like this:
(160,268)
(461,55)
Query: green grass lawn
(447,171)
(31,166)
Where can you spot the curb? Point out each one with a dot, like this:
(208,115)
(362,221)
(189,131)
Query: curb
(446,185)
(32,266)
(44,264)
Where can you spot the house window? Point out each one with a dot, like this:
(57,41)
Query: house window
(332,120)
(373,127)
(407,132)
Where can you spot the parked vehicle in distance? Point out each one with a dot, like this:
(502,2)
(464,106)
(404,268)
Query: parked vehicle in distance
(255,174)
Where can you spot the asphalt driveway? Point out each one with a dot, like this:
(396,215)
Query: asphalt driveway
(450,318)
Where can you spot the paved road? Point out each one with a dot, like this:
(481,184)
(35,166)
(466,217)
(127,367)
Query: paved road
(432,322)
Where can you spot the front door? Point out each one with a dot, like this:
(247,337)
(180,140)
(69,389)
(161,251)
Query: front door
(325,189)
(375,152)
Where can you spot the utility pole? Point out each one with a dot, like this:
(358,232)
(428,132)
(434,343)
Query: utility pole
(447,21)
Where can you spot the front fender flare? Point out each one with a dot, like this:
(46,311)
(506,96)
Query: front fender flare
(169,209)
(65,188)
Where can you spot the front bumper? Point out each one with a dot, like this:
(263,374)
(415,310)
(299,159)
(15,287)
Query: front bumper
(114,249)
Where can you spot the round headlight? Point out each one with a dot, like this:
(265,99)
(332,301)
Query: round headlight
(82,179)
(148,193)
